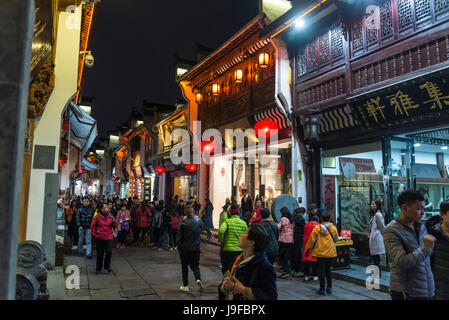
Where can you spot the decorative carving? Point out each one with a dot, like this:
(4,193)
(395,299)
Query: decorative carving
(405,14)
(41,89)
(29,136)
(27,287)
(386,19)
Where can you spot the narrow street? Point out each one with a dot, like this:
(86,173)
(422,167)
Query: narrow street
(140,273)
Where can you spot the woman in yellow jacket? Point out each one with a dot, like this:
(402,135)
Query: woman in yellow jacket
(322,243)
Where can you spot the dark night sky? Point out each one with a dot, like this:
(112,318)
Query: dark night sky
(134,44)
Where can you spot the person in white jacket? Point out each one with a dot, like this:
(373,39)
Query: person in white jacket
(376,238)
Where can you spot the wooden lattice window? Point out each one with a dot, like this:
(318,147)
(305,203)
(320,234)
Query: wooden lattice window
(312,56)
(301,59)
(357,35)
(386,19)
(372,24)
(422,9)
(337,42)
(324,49)
(441,6)
(405,18)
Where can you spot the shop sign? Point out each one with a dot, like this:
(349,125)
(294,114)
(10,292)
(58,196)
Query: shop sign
(351,166)
(345,234)
(422,98)
(329,195)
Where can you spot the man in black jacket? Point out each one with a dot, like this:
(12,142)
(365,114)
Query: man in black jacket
(298,237)
(247,206)
(438,226)
(188,240)
(84,219)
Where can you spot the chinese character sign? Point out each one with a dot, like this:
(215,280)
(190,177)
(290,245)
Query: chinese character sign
(413,100)
(329,195)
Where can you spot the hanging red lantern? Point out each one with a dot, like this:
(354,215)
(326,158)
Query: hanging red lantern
(281,168)
(265,127)
(208,146)
(191,167)
(160,169)
(223,172)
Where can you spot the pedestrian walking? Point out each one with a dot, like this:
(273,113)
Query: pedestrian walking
(102,228)
(298,240)
(376,238)
(133,210)
(173,229)
(409,247)
(224,214)
(188,239)
(83,220)
(143,219)
(207,218)
(285,242)
(322,243)
(247,206)
(73,227)
(309,261)
(251,276)
(123,219)
(438,226)
(157,223)
(228,235)
(272,231)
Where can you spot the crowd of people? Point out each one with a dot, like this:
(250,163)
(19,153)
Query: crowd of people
(302,243)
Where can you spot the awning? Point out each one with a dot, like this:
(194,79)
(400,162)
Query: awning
(336,119)
(89,166)
(84,128)
(274,114)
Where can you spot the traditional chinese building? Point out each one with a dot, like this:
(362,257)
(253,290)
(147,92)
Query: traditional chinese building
(243,82)
(371,104)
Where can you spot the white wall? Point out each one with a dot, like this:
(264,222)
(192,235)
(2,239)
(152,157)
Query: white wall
(48,129)
(220,186)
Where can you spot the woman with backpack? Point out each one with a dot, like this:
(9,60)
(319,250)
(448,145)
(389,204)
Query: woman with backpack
(285,241)
(123,219)
(322,243)
(173,229)
(158,221)
(309,261)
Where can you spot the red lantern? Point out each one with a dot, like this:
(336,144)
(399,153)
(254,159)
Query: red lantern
(191,167)
(265,127)
(281,168)
(208,146)
(160,170)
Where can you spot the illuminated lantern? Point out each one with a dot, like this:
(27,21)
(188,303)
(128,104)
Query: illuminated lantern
(208,146)
(238,75)
(281,168)
(264,59)
(216,90)
(256,78)
(160,170)
(199,98)
(191,167)
(264,127)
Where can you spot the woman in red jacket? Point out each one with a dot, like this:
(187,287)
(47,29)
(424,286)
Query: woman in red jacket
(308,260)
(102,228)
(143,219)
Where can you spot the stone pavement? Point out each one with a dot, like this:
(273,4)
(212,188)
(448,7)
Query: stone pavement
(140,273)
